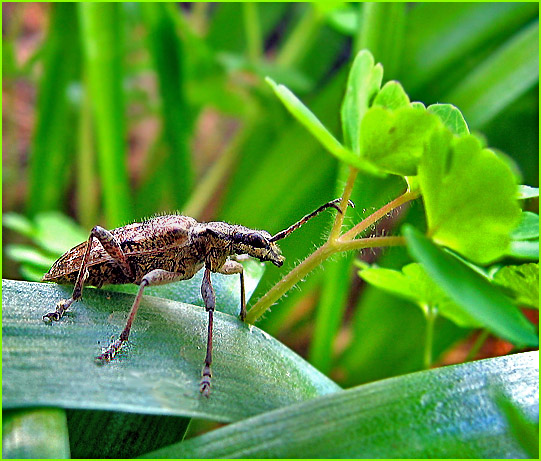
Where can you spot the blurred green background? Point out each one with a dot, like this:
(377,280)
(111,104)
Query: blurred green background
(114,112)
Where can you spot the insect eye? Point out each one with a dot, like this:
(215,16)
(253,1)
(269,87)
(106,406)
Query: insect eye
(257,241)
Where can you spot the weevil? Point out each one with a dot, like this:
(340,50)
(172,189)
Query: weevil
(163,250)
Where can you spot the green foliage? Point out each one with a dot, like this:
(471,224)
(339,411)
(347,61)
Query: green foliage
(413,283)
(471,291)
(469,195)
(523,281)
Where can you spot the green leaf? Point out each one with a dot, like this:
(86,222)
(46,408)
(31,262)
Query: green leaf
(449,412)
(159,373)
(451,117)
(525,192)
(414,284)
(471,291)
(394,140)
(528,227)
(469,195)
(35,433)
(391,96)
(316,128)
(523,281)
(364,81)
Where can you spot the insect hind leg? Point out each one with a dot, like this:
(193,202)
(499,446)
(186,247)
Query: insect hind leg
(155,277)
(112,247)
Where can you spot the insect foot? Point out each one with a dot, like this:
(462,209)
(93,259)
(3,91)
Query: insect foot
(109,354)
(61,307)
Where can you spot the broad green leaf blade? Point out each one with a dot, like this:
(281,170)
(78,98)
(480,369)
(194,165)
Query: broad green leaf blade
(158,373)
(364,81)
(471,291)
(469,195)
(523,281)
(316,128)
(449,412)
(501,78)
(394,140)
(451,117)
(35,433)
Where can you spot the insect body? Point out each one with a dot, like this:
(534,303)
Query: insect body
(162,250)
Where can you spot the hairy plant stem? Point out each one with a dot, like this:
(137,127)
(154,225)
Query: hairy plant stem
(333,245)
(339,220)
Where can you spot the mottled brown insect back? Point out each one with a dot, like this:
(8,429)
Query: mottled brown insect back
(163,250)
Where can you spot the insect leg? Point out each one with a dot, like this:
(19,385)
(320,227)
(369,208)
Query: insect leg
(234,267)
(207,292)
(155,277)
(111,246)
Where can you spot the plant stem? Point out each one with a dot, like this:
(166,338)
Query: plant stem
(301,38)
(310,263)
(288,281)
(338,221)
(253,31)
(367,222)
(477,345)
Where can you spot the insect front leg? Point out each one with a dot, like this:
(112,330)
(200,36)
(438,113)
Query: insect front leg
(111,246)
(155,277)
(207,292)
(234,267)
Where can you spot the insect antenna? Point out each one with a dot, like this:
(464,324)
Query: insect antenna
(299,223)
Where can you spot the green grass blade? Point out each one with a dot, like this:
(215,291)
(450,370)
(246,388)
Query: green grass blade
(168,58)
(101,33)
(35,433)
(441,37)
(449,412)
(499,80)
(382,32)
(471,291)
(159,373)
(50,155)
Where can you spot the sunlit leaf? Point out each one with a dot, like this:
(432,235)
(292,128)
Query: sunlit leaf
(449,412)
